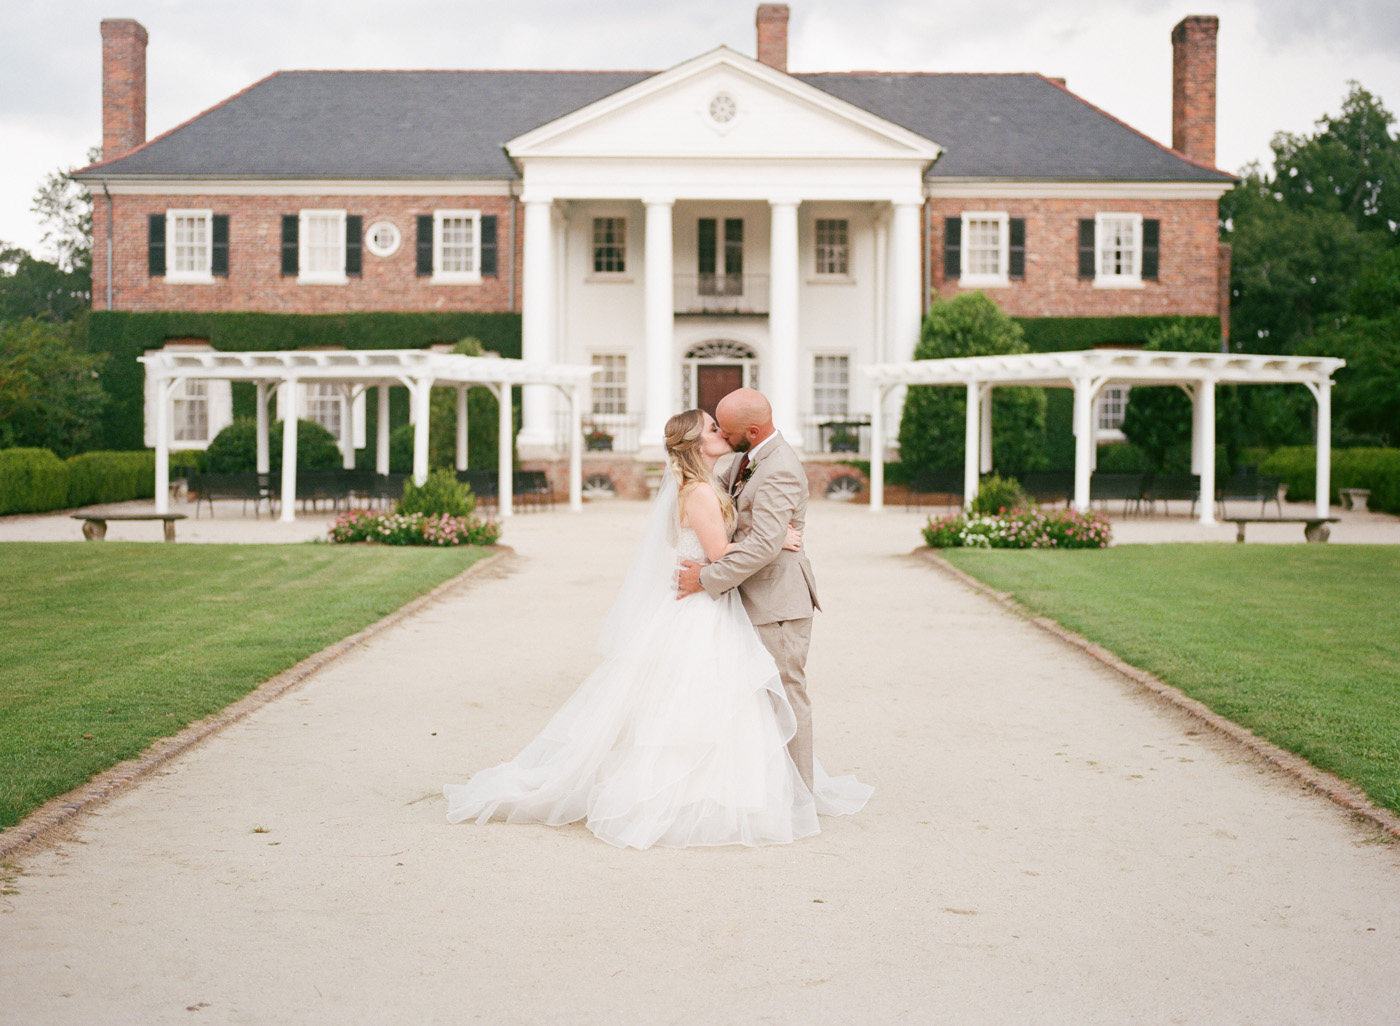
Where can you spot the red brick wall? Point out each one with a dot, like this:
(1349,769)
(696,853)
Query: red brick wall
(1187,284)
(255,282)
(123,86)
(1193,87)
(772,25)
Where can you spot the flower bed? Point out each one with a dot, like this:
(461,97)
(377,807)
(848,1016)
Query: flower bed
(363,525)
(1020,529)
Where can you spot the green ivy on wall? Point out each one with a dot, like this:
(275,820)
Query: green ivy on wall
(1060,334)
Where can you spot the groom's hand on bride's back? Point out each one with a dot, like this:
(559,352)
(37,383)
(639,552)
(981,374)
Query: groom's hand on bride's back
(688,579)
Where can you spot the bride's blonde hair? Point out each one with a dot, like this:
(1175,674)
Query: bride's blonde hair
(683,433)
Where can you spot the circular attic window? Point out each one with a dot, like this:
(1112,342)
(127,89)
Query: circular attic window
(383,238)
(723,108)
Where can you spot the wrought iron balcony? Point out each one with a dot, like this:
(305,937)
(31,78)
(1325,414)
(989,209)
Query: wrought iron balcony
(722,294)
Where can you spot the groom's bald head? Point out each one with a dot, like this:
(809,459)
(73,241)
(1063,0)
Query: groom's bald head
(745,417)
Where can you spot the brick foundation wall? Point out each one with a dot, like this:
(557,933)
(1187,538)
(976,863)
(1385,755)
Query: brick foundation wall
(1188,275)
(255,281)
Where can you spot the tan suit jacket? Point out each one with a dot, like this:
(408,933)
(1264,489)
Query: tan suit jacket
(773,583)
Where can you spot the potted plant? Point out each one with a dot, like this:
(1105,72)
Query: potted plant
(598,440)
(843,440)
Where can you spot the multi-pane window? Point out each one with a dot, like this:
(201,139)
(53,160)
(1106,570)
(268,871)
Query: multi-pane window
(323,405)
(985,249)
(189,245)
(610,383)
(190,409)
(1113,402)
(831,385)
(609,245)
(833,246)
(322,245)
(1118,245)
(455,241)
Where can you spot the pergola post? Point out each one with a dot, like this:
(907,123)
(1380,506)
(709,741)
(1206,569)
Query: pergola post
(986,402)
(973,451)
(461,427)
(165,388)
(1083,440)
(288,401)
(420,395)
(504,471)
(1194,392)
(575,395)
(381,430)
(877,448)
(1205,401)
(264,464)
(1322,391)
(347,427)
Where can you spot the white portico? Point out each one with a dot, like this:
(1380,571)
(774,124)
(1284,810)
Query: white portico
(669,237)
(1088,372)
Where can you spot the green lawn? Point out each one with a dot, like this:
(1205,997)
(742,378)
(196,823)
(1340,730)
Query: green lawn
(129,642)
(1300,643)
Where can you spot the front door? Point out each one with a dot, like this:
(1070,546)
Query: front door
(714,381)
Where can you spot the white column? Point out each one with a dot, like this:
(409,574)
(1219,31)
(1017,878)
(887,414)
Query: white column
(288,404)
(986,402)
(576,399)
(381,430)
(506,428)
(877,449)
(660,321)
(906,308)
(1323,392)
(1195,394)
(1083,439)
(1206,401)
(420,396)
(882,260)
(163,390)
(264,454)
(783,322)
(461,427)
(973,448)
(537,318)
(347,427)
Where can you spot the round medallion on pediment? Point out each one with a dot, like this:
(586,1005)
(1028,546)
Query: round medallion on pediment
(723,108)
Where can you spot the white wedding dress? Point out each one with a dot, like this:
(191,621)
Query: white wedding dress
(679,738)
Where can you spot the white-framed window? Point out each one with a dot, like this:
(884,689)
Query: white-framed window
(831,385)
(1118,250)
(1112,404)
(190,411)
(610,384)
(383,238)
(986,248)
(189,245)
(323,403)
(457,246)
(609,245)
(833,246)
(321,245)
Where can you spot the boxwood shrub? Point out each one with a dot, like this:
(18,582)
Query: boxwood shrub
(32,481)
(1376,469)
(97,477)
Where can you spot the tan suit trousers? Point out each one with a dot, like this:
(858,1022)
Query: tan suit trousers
(787,641)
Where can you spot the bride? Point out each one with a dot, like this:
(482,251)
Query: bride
(679,738)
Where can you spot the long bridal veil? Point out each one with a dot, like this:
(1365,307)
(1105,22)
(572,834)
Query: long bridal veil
(651,578)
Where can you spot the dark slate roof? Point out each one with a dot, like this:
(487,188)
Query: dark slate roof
(452,124)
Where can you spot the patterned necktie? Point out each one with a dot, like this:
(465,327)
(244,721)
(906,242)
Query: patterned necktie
(739,475)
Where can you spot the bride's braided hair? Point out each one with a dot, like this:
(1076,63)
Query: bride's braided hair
(682,436)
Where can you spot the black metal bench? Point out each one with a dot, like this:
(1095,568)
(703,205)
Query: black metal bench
(1109,487)
(934,482)
(255,488)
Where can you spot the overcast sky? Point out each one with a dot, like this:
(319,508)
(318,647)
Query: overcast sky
(1282,63)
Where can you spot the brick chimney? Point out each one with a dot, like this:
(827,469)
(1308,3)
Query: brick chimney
(123,86)
(772,35)
(1193,87)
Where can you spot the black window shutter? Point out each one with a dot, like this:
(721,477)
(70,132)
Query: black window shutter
(155,245)
(1016,257)
(218,253)
(1086,247)
(354,245)
(291,227)
(706,243)
(488,246)
(952,248)
(425,244)
(1151,248)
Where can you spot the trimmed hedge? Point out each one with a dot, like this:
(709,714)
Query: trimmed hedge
(1376,469)
(36,481)
(125,335)
(1058,334)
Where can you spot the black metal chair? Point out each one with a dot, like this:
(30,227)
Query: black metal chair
(1108,487)
(1166,487)
(485,485)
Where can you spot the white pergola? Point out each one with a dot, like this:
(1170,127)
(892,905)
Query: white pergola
(353,372)
(1088,372)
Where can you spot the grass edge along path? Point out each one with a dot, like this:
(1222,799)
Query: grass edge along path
(1342,792)
(103,785)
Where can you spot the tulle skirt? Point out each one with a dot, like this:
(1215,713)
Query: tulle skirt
(679,738)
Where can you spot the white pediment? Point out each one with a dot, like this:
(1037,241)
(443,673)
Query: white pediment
(723,105)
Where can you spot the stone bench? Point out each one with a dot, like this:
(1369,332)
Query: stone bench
(1354,498)
(95,523)
(1315,529)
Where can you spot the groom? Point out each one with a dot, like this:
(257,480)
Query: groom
(769,487)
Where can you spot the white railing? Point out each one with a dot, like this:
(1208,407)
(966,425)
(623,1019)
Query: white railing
(602,432)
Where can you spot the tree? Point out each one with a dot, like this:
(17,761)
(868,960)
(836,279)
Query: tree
(932,431)
(65,212)
(50,395)
(33,288)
